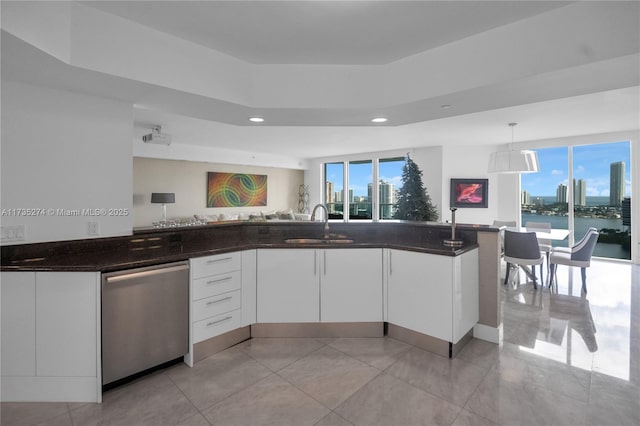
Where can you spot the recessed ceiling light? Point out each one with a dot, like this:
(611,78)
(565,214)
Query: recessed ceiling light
(256,119)
(378,120)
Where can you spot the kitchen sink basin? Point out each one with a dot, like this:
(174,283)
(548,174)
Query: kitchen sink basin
(318,241)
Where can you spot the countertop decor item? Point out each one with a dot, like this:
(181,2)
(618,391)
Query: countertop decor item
(163,198)
(453,242)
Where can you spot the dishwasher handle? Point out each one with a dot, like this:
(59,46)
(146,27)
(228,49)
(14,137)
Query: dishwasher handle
(141,274)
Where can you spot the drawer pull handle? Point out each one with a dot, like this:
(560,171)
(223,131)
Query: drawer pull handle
(224,259)
(209,324)
(213,302)
(218,281)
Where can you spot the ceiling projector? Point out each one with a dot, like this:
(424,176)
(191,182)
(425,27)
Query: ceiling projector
(156,136)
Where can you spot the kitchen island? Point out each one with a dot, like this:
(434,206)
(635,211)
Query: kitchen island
(390,266)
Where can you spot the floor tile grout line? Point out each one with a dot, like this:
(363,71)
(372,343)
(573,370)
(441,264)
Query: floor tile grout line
(431,392)
(285,366)
(188,399)
(319,402)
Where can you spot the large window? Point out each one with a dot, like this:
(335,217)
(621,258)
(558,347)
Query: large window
(390,182)
(360,190)
(372,188)
(334,190)
(581,187)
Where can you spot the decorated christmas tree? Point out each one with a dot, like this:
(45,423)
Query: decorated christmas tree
(414,202)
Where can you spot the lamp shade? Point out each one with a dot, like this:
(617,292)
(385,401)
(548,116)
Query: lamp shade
(513,162)
(163,197)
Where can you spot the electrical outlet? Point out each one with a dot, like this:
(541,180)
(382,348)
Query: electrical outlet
(93,228)
(13,233)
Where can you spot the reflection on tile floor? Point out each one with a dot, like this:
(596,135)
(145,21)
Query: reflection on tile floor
(565,359)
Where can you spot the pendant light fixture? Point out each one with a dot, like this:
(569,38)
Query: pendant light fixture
(513,161)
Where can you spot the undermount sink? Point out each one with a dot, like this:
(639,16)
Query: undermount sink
(318,241)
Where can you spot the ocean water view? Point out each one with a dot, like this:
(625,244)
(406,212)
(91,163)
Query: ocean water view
(590,201)
(581,226)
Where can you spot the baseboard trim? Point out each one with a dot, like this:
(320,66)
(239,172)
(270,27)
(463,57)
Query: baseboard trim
(486,333)
(206,348)
(422,341)
(312,329)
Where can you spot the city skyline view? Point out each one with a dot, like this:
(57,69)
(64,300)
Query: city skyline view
(361,175)
(592,163)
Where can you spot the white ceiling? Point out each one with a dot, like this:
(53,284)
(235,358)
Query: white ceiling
(579,75)
(323,32)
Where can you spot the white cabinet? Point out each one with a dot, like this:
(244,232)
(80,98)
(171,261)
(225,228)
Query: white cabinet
(308,285)
(50,336)
(249,277)
(432,294)
(216,296)
(222,295)
(66,324)
(351,285)
(18,323)
(288,286)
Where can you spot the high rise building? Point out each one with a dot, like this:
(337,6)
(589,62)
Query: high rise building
(330,197)
(626,212)
(561,193)
(387,199)
(525,198)
(616,184)
(579,192)
(339,197)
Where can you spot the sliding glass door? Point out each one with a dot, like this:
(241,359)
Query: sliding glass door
(581,187)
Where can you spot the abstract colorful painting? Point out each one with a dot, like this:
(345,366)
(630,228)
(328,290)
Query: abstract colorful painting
(469,193)
(236,190)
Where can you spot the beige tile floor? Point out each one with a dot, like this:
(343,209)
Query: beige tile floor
(564,360)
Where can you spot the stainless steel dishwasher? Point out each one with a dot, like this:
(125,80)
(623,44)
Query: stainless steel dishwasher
(145,318)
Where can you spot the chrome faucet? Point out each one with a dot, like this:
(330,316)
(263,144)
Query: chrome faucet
(326,218)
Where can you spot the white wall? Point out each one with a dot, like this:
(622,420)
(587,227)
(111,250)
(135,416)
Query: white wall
(62,150)
(472,162)
(188,180)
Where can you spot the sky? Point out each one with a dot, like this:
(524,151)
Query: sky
(360,175)
(591,163)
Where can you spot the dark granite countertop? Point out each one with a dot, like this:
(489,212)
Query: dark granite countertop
(149,246)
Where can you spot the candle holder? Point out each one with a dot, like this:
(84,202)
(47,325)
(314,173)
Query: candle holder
(453,242)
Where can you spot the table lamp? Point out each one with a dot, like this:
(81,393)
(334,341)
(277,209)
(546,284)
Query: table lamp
(163,198)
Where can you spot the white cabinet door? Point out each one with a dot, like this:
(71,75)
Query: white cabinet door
(66,323)
(288,286)
(351,285)
(420,292)
(465,294)
(18,323)
(249,276)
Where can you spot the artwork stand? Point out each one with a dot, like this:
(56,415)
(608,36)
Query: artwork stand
(453,242)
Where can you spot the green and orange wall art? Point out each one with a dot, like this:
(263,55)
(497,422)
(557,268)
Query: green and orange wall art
(236,190)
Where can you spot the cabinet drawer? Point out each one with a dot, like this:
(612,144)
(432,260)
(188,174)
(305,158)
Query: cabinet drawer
(216,305)
(214,326)
(213,265)
(216,284)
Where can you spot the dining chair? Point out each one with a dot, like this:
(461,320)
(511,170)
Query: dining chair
(521,248)
(578,255)
(503,224)
(544,243)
